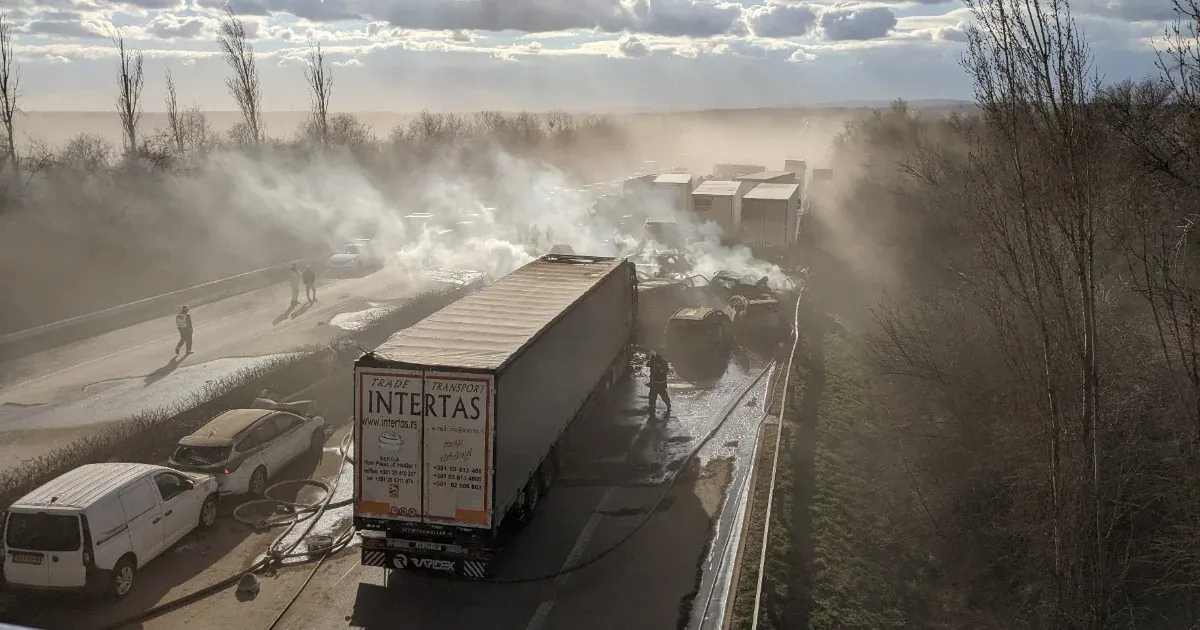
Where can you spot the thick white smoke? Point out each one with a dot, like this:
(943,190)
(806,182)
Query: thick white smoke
(474,220)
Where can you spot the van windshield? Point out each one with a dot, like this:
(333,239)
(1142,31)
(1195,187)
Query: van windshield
(43,532)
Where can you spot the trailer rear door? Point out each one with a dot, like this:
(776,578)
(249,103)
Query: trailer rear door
(424,445)
(458,448)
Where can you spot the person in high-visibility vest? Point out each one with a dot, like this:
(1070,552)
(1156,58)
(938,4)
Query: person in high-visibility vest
(294,276)
(658,382)
(183,322)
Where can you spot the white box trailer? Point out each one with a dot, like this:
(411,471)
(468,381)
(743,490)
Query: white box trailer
(457,417)
(769,215)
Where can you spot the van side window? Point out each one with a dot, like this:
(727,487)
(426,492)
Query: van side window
(169,485)
(137,499)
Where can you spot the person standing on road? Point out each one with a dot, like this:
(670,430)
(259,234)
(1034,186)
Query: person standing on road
(183,322)
(294,277)
(310,284)
(658,382)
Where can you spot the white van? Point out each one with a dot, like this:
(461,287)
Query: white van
(95,526)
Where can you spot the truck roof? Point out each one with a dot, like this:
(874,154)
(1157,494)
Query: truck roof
(774,191)
(488,328)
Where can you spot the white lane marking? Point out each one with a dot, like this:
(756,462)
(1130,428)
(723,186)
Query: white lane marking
(585,536)
(205,324)
(589,529)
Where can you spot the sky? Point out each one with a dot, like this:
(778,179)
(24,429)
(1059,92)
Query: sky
(573,55)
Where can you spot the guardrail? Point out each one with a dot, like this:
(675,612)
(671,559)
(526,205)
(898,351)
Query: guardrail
(65,331)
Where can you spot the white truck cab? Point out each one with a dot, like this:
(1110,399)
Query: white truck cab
(95,526)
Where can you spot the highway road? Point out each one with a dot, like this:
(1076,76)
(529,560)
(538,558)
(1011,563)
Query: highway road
(615,463)
(52,397)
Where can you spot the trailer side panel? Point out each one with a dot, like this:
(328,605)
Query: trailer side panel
(542,391)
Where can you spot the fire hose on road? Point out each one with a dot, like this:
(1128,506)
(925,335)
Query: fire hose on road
(290,515)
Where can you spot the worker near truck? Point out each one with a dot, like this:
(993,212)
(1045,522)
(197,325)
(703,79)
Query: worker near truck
(658,382)
(183,323)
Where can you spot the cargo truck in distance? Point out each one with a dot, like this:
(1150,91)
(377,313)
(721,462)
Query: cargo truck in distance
(457,418)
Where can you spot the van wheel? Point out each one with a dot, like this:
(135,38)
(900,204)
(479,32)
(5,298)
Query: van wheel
(208,513)
(258,482)
(123,577)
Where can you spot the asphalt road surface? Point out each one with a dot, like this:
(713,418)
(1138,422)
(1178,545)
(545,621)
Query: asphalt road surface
(53,397)
(614,465)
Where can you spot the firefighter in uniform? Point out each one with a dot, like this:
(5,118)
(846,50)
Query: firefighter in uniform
(183,322)
(658,382)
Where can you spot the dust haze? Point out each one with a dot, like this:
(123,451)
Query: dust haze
(86,228)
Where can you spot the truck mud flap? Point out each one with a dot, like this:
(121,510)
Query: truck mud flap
(470,569)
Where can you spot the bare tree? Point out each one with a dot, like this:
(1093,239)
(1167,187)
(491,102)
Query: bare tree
(10,87)
(320,83)
(1033,83)
(131,78)
(235,46)
(174,122)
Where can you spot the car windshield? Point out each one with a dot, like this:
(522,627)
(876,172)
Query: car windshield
(202,455)
(43,532)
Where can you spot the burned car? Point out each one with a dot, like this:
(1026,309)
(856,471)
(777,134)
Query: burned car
(699,335)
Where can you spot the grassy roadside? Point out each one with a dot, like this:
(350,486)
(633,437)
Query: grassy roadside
(829,559)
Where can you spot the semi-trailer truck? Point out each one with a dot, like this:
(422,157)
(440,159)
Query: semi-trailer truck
(458,418)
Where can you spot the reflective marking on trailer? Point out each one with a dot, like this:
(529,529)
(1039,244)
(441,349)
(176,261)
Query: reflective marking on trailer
(375,558)
(474,569)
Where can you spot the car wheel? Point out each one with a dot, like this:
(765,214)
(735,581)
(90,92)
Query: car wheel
(208,513)
(123,577)
(258,482)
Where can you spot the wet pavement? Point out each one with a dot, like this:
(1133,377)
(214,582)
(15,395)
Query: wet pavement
(614,463)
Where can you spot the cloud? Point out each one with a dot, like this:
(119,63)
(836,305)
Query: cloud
(842,23)
(66,24)
(313,10)
(349,63)
(956,33)
(1128,10)
(801,55)
(690,18)
(779,19)
(169,26)
(631,46)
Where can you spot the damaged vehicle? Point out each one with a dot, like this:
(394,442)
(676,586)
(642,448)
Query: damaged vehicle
(356,256)
(699,334)
(245,448)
